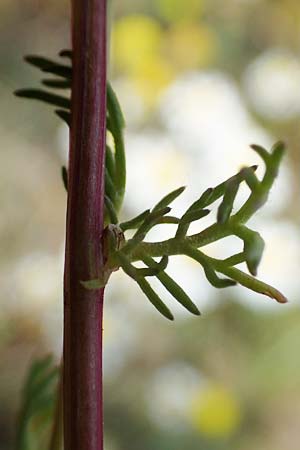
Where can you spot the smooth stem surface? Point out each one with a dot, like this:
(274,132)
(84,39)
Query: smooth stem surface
(83,411)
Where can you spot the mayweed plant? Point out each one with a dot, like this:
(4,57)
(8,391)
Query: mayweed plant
(97,242)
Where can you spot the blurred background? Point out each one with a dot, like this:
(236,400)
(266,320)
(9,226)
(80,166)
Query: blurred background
(199,80)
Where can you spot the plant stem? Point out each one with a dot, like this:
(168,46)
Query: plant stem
(174,246)
(83,309)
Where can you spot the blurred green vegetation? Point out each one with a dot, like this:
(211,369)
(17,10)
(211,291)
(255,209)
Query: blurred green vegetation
(229,380)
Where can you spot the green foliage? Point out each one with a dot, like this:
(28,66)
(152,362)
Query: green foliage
(38,402)
(122,253)
(115,173)
(227,224)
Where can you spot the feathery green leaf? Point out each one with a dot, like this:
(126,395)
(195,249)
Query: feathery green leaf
(174,289)
(44,96)
(169,198)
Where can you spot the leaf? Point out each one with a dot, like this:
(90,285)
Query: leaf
(189,245)
(235,259)
(277,152)
(192,216)
(214,280)
(111,210)
(135,222)
(64,175)
(168,220)
(114,109)
(66,53)
(202,202)
(150,220)
(46,65)
(226,206)
(253,283)
(44,96)
(115,124)
(208,268)
(155,268)
(250,178)
(110,162)
(144,285)
(259,195)
(253,246)
(39,61)
(154,298)
(253,250)
(169,198)
(110,190)
(262,152)
(175,290)
(220,189)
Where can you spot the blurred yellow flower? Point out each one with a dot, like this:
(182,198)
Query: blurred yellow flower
(178,10)
(152,77)
(189,45)
(135,40)
(215,412)
(150,56)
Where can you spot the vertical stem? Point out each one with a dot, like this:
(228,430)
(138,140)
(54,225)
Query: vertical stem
(83,412)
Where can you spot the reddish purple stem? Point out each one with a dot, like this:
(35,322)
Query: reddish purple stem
(83,309)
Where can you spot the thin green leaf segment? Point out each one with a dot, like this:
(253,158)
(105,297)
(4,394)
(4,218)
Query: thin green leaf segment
(123,253)
(115,174)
